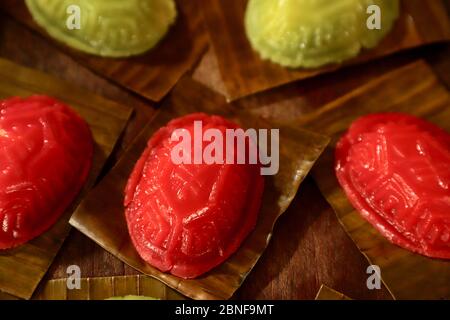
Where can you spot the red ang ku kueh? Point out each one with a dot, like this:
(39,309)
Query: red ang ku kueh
(46,155)
(395,170)
(188,218)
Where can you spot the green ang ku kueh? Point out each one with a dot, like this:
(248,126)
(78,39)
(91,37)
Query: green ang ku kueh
(109,28)
(313,33)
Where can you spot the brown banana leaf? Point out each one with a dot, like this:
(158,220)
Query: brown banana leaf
(326,293)
(245,73)
(22,268)
(152,74)
(101,215)
(107,287)
(412,89)
(5,296)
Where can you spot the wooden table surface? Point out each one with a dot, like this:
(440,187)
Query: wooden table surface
(309,247)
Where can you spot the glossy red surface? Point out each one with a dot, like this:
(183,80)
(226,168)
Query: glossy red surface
(188,218)
(46,153)
(395,169)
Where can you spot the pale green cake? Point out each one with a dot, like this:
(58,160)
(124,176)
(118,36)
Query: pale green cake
(313,33)
(131,297)
(109,28)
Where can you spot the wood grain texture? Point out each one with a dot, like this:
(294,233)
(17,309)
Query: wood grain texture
(326,293)
(101,216)
(23,267)
(245,73)
(413,89)
(152,74)
(102,288)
